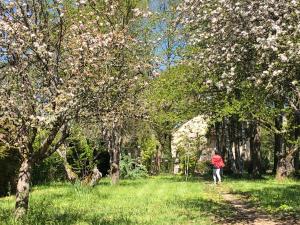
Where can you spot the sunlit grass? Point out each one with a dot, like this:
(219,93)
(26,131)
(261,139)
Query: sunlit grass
(277,197)
(155,200)
(159,200)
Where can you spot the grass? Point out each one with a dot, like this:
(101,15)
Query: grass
(155,200)
(274,197)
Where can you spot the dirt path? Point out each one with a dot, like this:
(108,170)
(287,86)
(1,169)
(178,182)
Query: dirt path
(246,213)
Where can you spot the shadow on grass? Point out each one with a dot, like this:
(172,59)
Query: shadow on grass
(179,178)
(46,186)
(219,211)
(100,220)
(132,182)
(283,201)
(70,193)
(209,178)
(43,212)
(225,213)
(246,177)
(64,185)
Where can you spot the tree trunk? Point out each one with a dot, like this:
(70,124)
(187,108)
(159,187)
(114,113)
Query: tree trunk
(23,186)
(277,142)
(296,161)
(93,178)
(255,143)
(72,176)
(223,141)
(239,160)
(217,130)
(96,176)
(168,164)
(231,157)
(115,173)
(297,135)
(115,151)
(158,159)
(236,165)
(285,166)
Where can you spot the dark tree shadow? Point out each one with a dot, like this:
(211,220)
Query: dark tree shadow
(221,212)
(43,212)
(208,177)
(285,201)
(100,220)
(245,177)
(132,182)
(225,213)
(179,178)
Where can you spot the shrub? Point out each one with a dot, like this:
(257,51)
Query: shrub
(203,167)
(9,167)
(131,168)
(49,170)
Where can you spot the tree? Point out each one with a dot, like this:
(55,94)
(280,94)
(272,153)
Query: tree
(246,46)
(170,100)
(55,57)
(130,65)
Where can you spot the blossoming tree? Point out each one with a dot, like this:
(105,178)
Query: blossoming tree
(248,48)
(57,64)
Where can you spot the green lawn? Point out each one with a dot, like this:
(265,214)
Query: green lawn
(268,194)
(156,200)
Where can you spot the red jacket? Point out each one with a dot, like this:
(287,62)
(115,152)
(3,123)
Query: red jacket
(217,161)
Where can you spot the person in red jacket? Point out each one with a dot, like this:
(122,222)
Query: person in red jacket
(217,163)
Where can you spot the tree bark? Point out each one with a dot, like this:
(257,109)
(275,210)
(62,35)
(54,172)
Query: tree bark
(29,158)
(231,157)
(255,143)
(158,159)
(296,161)
(277,142)
(72,176)
(297,135)
(115,152)
(23,186)
(115,173)
(163,146)
(235,156)
(93,178)
(223,141)
(238,158)
(285,166)
(217,130)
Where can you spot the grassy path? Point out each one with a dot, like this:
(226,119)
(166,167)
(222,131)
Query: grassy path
(156,200)
(248,214)
(262,202)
